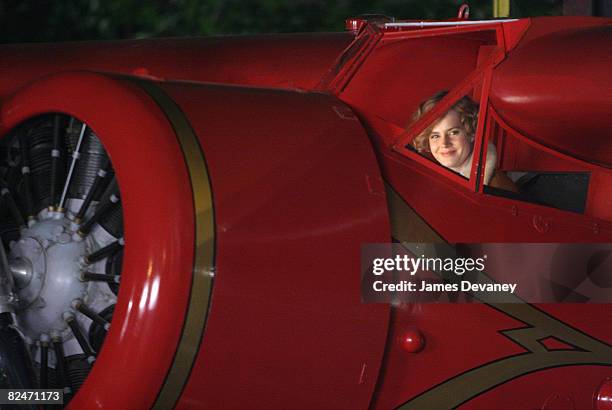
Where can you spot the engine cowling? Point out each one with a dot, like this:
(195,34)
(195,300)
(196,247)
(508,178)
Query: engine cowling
(217,238)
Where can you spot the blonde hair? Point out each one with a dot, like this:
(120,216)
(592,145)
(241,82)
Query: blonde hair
(465,107)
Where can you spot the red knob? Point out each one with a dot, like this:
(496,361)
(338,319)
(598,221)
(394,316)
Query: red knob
(412,340)
(603,397)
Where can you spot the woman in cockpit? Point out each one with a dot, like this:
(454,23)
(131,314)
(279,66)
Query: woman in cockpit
(450,140)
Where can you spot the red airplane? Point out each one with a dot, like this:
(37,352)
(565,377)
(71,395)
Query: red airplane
(229,183)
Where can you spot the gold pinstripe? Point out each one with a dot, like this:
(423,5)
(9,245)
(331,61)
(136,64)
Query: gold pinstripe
(201,287)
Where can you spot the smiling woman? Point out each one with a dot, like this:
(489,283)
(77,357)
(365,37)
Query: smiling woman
(450,140)
(450,143)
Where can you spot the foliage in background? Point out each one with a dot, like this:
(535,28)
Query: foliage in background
(27,21)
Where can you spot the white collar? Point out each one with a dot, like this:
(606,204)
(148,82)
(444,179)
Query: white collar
(465,168)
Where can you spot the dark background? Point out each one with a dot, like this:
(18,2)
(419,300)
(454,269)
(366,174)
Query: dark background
(35,21)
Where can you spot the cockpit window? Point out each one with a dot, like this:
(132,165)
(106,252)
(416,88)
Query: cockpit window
(450,132)
(466,138)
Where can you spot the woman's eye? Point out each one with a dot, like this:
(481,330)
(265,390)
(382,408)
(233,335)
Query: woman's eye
(454,132)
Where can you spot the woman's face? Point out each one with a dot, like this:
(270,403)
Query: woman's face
(449,141)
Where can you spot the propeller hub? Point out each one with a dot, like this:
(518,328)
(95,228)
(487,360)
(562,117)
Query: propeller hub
(46,267)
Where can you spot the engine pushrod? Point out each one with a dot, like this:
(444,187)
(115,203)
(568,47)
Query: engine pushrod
(76,331)
(27,177)
(102,210)
(99,277)
(60,363)
(89,312)
(44,361)
(99,184)
(105,251)
(56,161)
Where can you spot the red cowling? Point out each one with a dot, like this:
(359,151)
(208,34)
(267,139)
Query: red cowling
(557,89)
(285,225)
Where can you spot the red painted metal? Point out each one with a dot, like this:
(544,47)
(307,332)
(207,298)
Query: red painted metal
(461,213)
(147,319)
(412,340)
(296,61)
(603,396)
(534,106)
(354,24)
(297,221)
(297,188)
